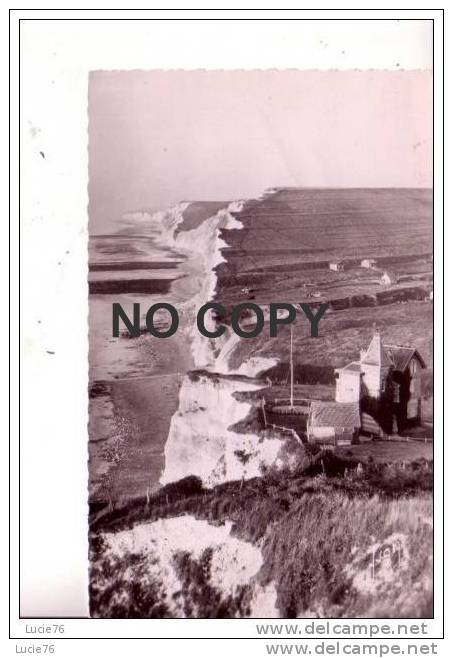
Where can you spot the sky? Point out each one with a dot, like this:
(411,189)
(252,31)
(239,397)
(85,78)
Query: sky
(160,137)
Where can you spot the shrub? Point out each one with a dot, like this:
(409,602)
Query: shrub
(188,486)
(123,587)
(200,598)
(304,373)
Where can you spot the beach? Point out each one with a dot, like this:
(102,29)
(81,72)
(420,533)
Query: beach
(134,382)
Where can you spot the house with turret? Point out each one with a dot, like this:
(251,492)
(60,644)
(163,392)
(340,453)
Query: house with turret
(386,384)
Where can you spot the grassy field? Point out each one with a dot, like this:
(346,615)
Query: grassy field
(197,212)
(283,251)
(388,451)
(341,337)
(300,225)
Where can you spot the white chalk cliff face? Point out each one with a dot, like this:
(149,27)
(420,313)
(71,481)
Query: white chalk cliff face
(235,563)
(199,441)
(203,246)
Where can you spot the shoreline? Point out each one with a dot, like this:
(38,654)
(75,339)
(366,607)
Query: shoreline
(140,415)
(134,392)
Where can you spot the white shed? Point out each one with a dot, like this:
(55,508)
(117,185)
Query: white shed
(387,279)
(368,263)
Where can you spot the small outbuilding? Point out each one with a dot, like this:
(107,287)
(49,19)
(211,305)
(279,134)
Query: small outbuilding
(333,422)
(248,292)
(369,263)
(387,279)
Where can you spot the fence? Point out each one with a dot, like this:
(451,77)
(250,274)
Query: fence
(282,428)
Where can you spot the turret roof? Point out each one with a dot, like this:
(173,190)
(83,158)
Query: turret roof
(376,354)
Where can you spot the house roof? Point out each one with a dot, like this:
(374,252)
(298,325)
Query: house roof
(354,366)
(334,414)
(376,354)
(402,356)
